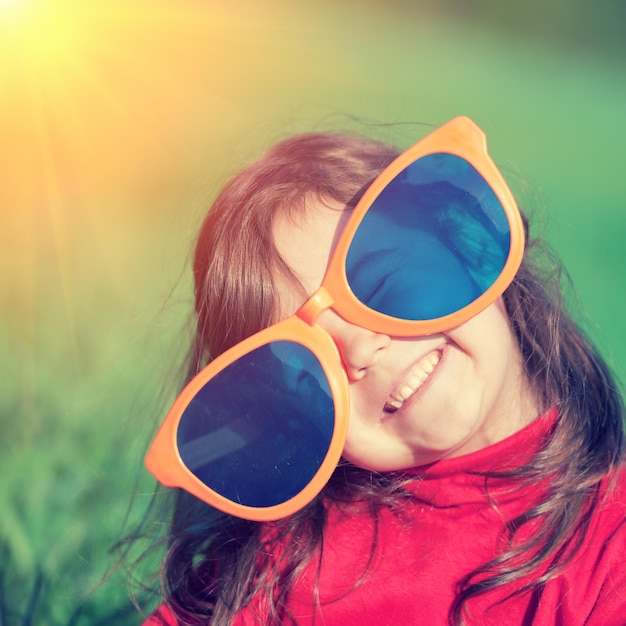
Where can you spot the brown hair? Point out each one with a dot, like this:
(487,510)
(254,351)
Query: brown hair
(235,268)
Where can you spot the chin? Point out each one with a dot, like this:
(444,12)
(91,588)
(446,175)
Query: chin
(389,463)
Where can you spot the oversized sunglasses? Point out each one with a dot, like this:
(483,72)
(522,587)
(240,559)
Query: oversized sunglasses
(434,240)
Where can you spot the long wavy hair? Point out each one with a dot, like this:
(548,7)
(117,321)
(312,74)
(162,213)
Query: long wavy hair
(214,564)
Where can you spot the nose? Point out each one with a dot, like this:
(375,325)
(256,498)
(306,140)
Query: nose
(358,347)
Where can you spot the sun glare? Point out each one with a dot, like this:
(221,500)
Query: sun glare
(95,97)
(8,5)
(100,102)
(87,90)
(77,74)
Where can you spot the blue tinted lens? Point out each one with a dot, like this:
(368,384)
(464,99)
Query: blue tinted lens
(259,430)
(433,241)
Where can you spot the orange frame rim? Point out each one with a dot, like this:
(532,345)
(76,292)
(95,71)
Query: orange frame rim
(460,137)
(163,459)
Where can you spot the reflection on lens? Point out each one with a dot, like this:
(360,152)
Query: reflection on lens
(433,241)
(259,430)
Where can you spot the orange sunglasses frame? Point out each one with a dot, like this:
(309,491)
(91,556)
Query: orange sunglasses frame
(460,137)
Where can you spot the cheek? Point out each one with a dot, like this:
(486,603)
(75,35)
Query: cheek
(488,337)
(493,358)
(484,362)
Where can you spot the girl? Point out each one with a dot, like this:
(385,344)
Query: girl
(478,478)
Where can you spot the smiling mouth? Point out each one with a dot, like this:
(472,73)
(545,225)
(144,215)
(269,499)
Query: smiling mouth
(418,376)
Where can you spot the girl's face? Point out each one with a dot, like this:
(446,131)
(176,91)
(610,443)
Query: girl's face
(412,401)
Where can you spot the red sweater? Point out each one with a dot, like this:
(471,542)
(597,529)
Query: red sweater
(416,565)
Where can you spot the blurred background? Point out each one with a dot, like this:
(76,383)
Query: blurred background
(120,120)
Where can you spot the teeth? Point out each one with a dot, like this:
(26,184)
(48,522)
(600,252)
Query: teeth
(406,392)
(415,380)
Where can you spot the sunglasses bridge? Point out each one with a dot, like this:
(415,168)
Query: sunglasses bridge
(319,302)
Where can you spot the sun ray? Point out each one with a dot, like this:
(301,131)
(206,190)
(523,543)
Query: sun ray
(51,207)
(97,96)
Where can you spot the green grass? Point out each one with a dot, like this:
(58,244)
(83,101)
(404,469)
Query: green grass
(91,339)
(81,396)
